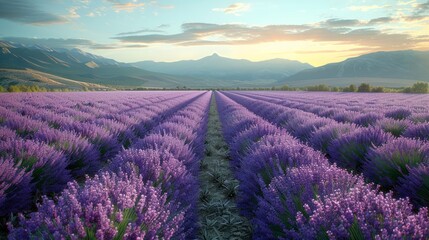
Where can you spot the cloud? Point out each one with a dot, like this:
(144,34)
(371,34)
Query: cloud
(422,8)
(334,22)
(380,20)
(235,8)
(73,12)
(25,11)
(358,49)
(68,43)
(167,6)
(366,8)
(100,11)
(194,34)
(140,31)
(119,6)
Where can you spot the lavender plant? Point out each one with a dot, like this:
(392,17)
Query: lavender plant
(391,161)
(349,150)
(289,195)
(109,206)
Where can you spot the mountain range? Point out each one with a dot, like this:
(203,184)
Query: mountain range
(74,68)
(219,68)
(73,64)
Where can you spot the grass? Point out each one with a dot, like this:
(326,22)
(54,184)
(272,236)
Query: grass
(219,216)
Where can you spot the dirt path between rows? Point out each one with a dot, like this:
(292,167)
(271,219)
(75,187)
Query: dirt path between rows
(218,214)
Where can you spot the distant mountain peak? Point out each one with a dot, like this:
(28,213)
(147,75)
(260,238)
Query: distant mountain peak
(214,56)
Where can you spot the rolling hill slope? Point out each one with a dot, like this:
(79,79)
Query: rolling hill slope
(393,69)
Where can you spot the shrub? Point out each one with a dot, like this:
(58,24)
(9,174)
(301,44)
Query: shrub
(419,131)
(15,187)
(415,185)
(398,114)
(351,88)
(242,142)
(394,127)
(367,119)
(109,206)
(270,157)
(364,87)
(47,166)
(175,146)
(290,194)
(363,213)
(391,161)
(349,150)
(303,131)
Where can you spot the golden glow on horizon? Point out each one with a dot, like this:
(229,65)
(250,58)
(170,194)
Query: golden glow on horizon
(314,53)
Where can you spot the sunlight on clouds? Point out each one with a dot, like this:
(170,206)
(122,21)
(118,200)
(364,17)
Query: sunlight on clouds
(128,6)
(73,12)
(366,8)
(235,8)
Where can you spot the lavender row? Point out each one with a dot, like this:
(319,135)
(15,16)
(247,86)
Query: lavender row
(399,164)
(410,119)
(290,191)
(48,158)
(148,191)
(416,105)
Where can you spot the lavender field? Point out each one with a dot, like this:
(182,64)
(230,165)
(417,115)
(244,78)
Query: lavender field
(214,165)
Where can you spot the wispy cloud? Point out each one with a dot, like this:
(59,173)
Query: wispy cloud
(119,6)
(97,12)
(422,8)
(26,11)
(365,8)
(69,43)
(380,20)
(235,8)
(73,12)
(194,34)
(335,22)
(140,31)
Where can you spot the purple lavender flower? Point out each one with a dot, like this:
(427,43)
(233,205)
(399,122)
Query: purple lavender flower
(48,166)
(6,133)
(420,117)
(82,157)
(415,185)
(235,127)
(367,119)
(106,143)
(177,130)
(243,141)
(109,206)
(304,130)
(349,150)
(398,114)
(289,194)
(15,187)
(266,161)
(344,116)
(323,137)
(363,213)
(162,170)
(395,127)
(387,163)
(175,146)
(420,131)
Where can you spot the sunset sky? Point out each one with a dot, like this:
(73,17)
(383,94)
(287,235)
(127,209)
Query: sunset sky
(317,32)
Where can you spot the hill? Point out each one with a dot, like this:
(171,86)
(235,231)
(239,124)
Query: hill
(391,69)
(76,65)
